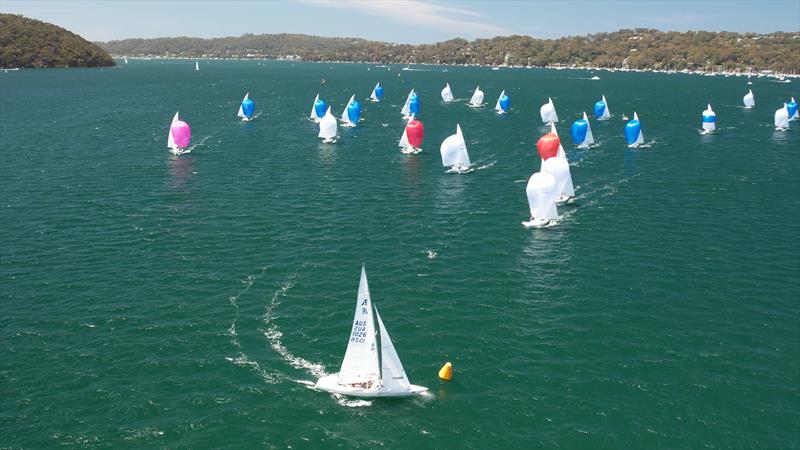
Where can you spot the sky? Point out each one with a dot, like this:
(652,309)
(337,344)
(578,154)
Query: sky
(403,21)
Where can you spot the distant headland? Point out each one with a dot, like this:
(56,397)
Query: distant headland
(630,48)
(30,43)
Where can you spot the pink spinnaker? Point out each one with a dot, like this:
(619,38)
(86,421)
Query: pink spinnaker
(181,133)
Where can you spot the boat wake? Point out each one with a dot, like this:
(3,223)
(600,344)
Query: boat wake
(487,165)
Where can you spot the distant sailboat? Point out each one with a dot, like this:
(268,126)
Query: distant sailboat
(477,98)
(782,119)
(541,192)
(405,111)
(503,103)
(601,111)
(126,60)
(352,112)
(633,132)
(581,132)
(411,140)
(328,128)
(792,108)
(548,112)
(377,93)
(749,100)
(246,109)
(369,368)
(179,135)
(197,65)
(447,94)
(454,153)
(709,120)
(318,109)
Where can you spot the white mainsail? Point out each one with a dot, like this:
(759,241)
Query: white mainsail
(558,167)
(171,140)
(541,192)
(454,151)
(373,96)
(548,112)
(197,65)
(392,373)
(606,112)
(640,139)
(327,126)
(241,112)
(360,363)
(497,106)
(477,98)
(345,116)
(782,118)
(404,138)
(405,109)
(313,116)
(749,100)
(589,140)
(447,94)
(796,114)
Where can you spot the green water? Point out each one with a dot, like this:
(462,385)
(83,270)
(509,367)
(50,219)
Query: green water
(153,301)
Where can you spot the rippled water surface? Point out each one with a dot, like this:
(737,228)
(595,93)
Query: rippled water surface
(155,301)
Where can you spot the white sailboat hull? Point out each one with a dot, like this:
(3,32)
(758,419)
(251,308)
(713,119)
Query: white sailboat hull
(540,223)
(330,383)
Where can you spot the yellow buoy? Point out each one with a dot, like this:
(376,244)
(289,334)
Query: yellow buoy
(446,372)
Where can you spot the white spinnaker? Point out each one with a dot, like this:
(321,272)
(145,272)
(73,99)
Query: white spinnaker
(606,111)
(477,97)
(541,192)
(170,139)
(328,126)
(405,111)
(392,372)
(749,99)
(782,117)
(558,167)
(447,94)
(345,115)
(241,112)
(313,116)
(589,140)
(454,150)
(497,106)
(360,363)
(548,112)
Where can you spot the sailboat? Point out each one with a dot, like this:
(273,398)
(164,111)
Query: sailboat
(246,109)
(413,106)
(328,128)
(633,132)
(477,98)
(749,100)
(179,135)
(503,103)
(782,119)
(550,149)
(454,153)
(581,132)
(405,110)
(197,65)
(541,192)
(411,140)
(126,60)
(377,93)
(371,367)
(792,108)
(548,112)
(709,120)
(318,109)
(352,112)
(447,94)
(601,111)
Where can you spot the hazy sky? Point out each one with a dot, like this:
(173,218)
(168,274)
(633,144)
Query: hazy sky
(405,21)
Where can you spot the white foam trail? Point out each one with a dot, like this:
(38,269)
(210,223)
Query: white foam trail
(486,166)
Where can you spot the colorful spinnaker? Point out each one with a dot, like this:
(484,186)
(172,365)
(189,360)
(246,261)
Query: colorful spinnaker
(503,103)
(709,120)
(247,108)
(601,111)
(633,132)
(179,135)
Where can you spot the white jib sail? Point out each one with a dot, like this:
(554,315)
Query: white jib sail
(454,150)
(589,140)
(392,373)
(558,167)
(360,363)
(497,106)
(405,109)
(241,113)
(606,111)
(403,140)
(541,192)
(477,97)
(345,115)
(372,96)
(447,94)
(313,116)
(170,139)
(782,118)
(749,99)
(327,126)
